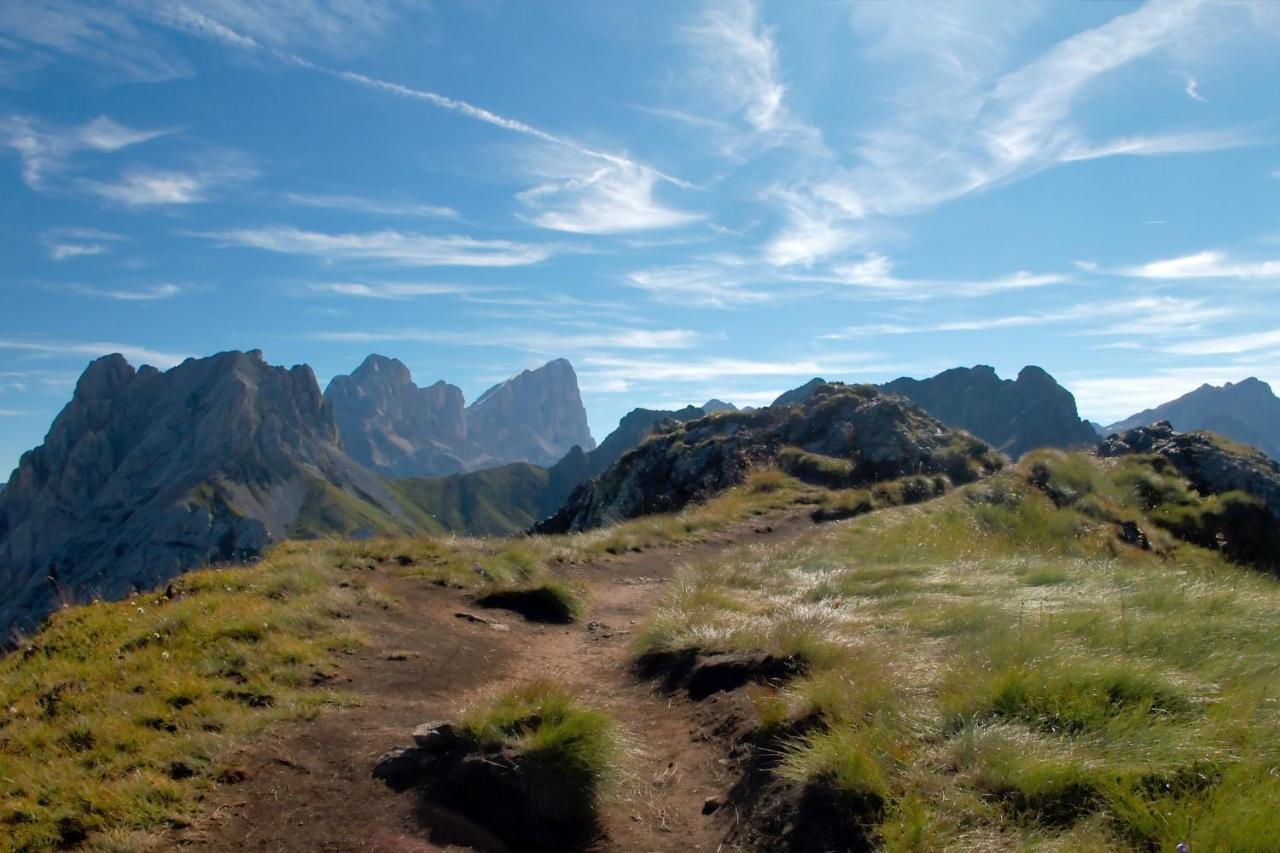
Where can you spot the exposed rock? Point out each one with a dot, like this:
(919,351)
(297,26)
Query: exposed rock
(631,431)
(713,405)
(880,435)
(1013,416)
(1210,466)
(1246,411)
(391,425)
(146,474)
(536,416)
(435,737)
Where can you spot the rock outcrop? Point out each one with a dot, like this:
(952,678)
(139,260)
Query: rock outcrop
(1246,411)
(1212,466)
(1013,416)
(146,474)
(394,427)
(877,436)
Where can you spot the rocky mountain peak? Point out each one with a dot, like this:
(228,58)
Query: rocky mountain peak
(146,474)
(535,416)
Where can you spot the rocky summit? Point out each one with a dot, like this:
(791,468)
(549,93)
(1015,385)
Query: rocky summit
(856,432)
(1213,466)
(1012,415)
(394,427)
(147,474)
(535,416)
(389,424)
(1247,411)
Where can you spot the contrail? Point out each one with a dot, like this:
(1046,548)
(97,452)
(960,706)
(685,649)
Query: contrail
(201,25)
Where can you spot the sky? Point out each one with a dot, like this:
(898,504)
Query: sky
(686,199)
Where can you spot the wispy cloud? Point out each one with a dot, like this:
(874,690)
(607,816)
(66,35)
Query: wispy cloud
(632,370)
(874,274)
(965,128)
(210,27)
(618,338)
(151,187)
(705,285)
(1229,344)
(147,293)
(1193,90)
(1144,316)
(379,207)
(588,198)
(387,246)
(46,151)
(94,36)
(1207,264)
(94,349)
(391,290)
(735,62)
(66,243)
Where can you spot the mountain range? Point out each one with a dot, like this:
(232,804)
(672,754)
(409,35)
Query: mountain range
(146,474)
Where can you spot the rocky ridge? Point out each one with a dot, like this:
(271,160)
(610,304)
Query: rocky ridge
(879,435)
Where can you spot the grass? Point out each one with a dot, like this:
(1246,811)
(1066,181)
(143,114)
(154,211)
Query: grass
(1000,670)
(562,753)
(117,715)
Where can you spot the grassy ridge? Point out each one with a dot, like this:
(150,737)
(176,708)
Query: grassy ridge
(997,669)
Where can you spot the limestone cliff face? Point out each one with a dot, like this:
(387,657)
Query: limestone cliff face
(1246,411)
(392,426)
(146,474)
(1012,415)
(881,435)
(535,416)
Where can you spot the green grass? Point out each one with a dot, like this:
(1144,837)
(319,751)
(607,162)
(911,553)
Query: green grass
(1001,671)
(117,715)
(564,753)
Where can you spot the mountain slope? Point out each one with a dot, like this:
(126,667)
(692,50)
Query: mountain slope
(842,436)
(1012,415)
(146,474)
(1246,411)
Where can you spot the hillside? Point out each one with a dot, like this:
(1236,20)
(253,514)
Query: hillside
(1035,659)
(840,436)
(1246,411)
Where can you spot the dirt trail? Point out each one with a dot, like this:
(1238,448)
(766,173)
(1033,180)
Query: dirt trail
(308,786)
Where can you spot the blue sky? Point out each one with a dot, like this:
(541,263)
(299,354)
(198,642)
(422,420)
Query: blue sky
(685,199)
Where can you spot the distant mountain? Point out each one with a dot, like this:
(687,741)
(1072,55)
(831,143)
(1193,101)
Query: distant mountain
(858,430)
(392,426)
(1012,415)
(389,424)
(1246,411)
(536,416)
(147,474)
(714,405)
(799,395)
